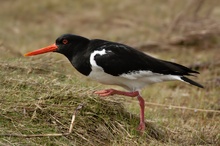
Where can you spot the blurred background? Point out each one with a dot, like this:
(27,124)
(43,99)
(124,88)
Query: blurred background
(183,31)
(27,25)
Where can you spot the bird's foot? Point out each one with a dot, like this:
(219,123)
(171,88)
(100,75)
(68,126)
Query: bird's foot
(109,92)
(106,92)
(141,127)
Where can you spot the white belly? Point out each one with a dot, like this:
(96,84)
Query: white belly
(131,82)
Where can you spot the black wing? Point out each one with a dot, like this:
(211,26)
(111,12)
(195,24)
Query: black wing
(121,59)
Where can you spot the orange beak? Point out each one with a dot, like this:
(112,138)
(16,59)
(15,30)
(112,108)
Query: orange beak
(50,48)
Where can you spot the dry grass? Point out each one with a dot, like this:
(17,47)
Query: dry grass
(47,101)
(38,95)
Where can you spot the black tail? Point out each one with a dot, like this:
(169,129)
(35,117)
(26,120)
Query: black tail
(191,82)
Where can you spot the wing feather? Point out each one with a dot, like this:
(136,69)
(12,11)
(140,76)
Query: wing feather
(120,59)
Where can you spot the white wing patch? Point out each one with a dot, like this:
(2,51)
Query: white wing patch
(92,57)
(149,77)
(137,74)
(97,72)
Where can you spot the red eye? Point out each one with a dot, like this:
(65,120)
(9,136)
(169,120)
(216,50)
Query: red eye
(65,41)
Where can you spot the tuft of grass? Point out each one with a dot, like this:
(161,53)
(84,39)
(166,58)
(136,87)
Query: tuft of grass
(38,100)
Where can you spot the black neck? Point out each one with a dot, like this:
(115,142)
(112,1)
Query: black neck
(79,57)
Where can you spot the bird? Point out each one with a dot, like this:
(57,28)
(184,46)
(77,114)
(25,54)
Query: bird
(118,64)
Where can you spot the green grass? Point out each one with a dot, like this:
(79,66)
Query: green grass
(39,94)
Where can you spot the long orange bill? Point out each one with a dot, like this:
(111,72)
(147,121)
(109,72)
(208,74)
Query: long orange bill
(50,48)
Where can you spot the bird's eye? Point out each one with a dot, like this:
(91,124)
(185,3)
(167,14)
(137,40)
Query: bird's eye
(65,41)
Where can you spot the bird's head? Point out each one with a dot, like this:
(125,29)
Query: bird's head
(64,45)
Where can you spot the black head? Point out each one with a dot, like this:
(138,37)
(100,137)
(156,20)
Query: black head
(66,44)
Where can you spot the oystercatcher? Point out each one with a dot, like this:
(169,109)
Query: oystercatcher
(117,64)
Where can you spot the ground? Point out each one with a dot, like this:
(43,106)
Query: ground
(39,94)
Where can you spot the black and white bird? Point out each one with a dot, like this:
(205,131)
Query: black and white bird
(117,64)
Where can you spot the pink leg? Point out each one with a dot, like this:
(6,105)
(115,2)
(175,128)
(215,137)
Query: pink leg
(108,92)
(113,92)
(142,106)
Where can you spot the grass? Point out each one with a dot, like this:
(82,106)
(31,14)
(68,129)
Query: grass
(39,94)
(47,101)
